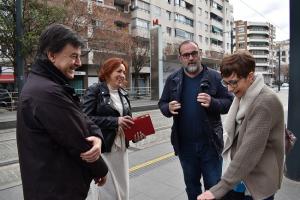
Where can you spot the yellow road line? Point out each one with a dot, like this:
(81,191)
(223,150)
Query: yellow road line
(150,162)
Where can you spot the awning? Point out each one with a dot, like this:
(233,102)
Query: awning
(7,78)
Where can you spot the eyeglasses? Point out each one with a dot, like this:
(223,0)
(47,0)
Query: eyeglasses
(193,54)
(232,83)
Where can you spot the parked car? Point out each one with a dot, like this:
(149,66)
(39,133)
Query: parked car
(5,98)
(285,85)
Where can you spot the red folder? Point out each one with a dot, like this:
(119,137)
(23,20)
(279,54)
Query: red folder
(142,124)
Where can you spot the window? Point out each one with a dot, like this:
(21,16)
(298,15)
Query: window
(200,38)
(241,29)
(179,33)
(206,14)
(227,45)
(206,28)
(283,59)
(169,15)
(183,34)
(200,25)
(183,19)
(241,45)
(97,23)
(169,31)
(140,23)
(143,6)
(189,35)
(169,1)
(283,53)
(156,11)
(200,11)
(206,41)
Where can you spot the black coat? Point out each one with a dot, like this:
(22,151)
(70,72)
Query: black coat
(221,100)
(51,132)
(98,105)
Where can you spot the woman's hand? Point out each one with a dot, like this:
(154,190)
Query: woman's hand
(125,122)
(207,195)
(138,137)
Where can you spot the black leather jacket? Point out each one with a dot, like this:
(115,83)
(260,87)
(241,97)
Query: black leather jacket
(98,105)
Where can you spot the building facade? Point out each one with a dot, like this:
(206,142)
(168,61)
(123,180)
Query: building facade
(282,51)
(258,39)
(207,22)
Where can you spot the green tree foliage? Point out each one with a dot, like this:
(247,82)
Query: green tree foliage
(36,16)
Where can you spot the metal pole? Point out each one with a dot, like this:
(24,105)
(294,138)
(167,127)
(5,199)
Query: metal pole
(279,68)
(231,39)
(19,58)
(292,159)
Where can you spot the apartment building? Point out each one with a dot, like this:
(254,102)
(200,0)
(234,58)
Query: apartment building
(104,26)
(208,22)
(282,50)
(258,39)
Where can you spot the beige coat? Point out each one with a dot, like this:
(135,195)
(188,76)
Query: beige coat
(258,151)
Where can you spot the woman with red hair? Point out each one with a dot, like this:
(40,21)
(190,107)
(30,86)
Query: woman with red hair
(107,104)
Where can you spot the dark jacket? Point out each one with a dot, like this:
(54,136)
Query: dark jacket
(220,104)
(51,134)
(98,105)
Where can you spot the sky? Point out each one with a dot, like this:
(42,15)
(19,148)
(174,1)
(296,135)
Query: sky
(274,11)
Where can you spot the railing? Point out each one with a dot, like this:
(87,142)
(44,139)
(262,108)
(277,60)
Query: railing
(139,93)
(9,100)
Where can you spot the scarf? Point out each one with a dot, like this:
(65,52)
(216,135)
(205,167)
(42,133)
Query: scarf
(238,109)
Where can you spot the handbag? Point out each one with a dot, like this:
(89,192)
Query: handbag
(290,140)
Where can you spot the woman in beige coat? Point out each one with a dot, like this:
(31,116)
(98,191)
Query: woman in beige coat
(255,128)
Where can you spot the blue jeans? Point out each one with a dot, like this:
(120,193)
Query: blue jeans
(250,198)
(199,160)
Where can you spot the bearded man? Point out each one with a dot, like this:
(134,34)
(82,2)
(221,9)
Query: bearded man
(195,98)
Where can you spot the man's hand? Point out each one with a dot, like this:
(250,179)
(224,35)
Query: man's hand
(204,99)
(138,137)
(173,106)
(101,181)
(206,196)
(125,122)
(94,153)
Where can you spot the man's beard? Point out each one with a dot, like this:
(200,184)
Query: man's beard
(191,68)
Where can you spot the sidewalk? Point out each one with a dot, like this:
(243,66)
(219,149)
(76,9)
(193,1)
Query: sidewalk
(163,180)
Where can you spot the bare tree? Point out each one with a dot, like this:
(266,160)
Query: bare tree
(140,56)
(36,16)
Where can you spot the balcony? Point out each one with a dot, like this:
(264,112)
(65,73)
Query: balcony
(262,64)
(257,39)
(216,12)
(258,48)
(216,48)
(260,32)
(216,36)
(261,56)
(216,23)
(122,2)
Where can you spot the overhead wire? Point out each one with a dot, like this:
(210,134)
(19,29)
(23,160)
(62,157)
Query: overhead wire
(256,11)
